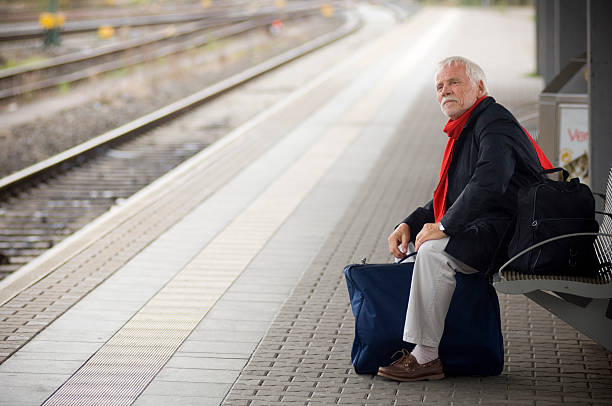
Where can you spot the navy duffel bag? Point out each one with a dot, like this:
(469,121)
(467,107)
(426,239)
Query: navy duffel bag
(472,342)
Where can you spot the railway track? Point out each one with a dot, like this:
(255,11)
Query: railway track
(81,65)
(43,204)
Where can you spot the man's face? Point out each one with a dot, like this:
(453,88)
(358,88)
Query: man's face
(456,93)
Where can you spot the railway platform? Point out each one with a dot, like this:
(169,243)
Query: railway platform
(222,283)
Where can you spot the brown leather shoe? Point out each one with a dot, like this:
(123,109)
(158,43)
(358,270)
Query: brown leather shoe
(407,369)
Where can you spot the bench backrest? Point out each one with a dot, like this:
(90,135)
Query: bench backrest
(603,244)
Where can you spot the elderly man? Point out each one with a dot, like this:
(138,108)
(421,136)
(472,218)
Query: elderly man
(488,157)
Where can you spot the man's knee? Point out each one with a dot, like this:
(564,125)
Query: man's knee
(432,259)
(432,247)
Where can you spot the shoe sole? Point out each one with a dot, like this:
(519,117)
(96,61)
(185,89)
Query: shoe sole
(422,378)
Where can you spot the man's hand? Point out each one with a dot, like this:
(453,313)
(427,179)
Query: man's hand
(430,231)
(399,237)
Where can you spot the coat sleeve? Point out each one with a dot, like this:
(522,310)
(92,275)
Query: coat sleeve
(491,178)
(417,219)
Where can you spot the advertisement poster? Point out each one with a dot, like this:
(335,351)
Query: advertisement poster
(574,140)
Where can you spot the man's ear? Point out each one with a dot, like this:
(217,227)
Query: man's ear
(481,89)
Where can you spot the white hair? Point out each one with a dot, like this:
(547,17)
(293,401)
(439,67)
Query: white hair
(473,71)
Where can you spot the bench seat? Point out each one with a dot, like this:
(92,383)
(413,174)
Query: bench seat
(515,283)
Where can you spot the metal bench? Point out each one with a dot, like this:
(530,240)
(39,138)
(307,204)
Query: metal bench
(584,303)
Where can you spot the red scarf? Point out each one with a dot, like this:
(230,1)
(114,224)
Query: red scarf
(544,162)
(453,129)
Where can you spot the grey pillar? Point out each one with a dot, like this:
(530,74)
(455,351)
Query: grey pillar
(561,34)
(572,31)
(540,11)
(600,96)
(546,38)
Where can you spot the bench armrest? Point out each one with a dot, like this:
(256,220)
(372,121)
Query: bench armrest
(526,250)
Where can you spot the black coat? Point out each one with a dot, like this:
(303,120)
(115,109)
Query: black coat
(492,159)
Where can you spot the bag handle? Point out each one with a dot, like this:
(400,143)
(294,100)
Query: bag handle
(554,170)
(406,257)
(364,260)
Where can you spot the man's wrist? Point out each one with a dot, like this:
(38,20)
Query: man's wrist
(441,227)
(400,225)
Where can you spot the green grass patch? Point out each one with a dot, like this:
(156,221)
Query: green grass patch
(63,88)
(117,73)
(12,63)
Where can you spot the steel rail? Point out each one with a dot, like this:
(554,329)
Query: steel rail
(77,14)
(211,22)
(32,31)
(27,31)
(109,66)
(57,61)
(78,154)
(19,74)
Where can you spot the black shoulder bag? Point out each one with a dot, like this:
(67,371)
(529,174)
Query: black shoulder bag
(550,208)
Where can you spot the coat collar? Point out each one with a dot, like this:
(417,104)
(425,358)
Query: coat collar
(479,109)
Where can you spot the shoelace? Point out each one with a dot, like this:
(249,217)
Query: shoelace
(403,358)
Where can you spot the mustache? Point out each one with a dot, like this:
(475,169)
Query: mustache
(449,98)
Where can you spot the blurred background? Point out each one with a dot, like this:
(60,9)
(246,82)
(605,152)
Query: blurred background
(72,71)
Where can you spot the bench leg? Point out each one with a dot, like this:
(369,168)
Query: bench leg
(590,320)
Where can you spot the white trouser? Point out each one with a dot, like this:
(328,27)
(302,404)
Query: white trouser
(433,284)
